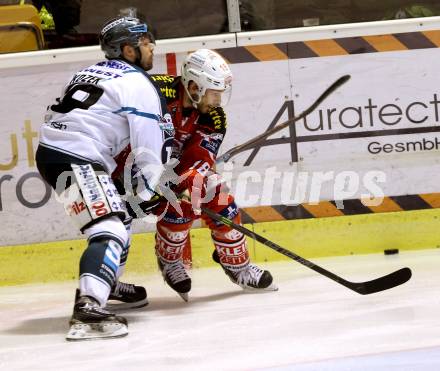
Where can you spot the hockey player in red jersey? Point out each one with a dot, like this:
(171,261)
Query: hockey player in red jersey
(195,100)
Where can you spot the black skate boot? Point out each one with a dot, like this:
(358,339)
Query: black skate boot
(127,296)
(250,277)
(89,321)
(176,277)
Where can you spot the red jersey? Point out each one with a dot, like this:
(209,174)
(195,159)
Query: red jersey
(198,136)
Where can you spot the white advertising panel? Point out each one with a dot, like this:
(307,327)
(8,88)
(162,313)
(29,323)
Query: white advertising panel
(375,136)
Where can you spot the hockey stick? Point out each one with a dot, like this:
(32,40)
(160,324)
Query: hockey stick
(225,157)
(364,288)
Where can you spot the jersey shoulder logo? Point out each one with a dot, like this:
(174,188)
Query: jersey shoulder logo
(216,118)
(167,85)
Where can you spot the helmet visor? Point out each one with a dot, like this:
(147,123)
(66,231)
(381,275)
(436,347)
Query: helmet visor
(146,40)
(217,98)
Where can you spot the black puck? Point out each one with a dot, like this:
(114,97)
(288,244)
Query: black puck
(391,251)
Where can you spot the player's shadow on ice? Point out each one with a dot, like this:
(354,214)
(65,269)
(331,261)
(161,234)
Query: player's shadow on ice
(173,305)
(41,326)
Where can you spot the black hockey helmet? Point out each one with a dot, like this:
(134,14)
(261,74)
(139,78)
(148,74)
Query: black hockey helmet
(120,31)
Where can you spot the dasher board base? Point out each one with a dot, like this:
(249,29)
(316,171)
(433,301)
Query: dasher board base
(310,238)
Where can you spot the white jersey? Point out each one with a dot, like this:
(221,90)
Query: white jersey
(105,107)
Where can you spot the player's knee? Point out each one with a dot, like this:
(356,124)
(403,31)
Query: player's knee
(230,235)
(221,232)
(174,235)
(230,211)
(111,228)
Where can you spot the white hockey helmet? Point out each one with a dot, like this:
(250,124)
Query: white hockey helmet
(209,71)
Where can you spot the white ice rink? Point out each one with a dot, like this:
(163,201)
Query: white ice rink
(311,323)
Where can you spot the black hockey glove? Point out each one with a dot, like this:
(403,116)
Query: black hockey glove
(137,208)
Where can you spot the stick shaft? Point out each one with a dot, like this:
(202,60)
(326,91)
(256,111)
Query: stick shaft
(259,138)
(273,246)
(364,288)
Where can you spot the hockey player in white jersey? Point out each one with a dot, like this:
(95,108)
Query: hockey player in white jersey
(104,108)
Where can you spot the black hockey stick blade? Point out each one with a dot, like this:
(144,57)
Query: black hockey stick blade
(225,157)
(364,288)
(383,283)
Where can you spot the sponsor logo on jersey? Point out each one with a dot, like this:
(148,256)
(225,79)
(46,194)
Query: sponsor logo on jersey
(165,90)
(114,64)
(216,136)
(164,78)
(212,142)
(88,79)
(58,125)
(218,119)
(168,92)
(101,72)
(166,123)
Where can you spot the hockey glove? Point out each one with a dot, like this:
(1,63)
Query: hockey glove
(137,208)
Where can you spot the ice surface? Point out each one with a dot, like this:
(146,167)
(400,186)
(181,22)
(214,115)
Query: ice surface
(311,323)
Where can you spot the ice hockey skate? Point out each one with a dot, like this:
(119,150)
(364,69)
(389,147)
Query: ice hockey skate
(176,277)
(89,321)
(127,296)
(250,277)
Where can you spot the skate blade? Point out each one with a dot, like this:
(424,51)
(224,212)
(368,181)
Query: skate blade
(184,296)
(96,331)
(118,306)
(271,287)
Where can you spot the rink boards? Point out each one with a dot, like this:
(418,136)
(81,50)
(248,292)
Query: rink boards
(364,164)
(310,238)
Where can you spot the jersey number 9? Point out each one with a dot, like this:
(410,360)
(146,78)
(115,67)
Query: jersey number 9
(78,96)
